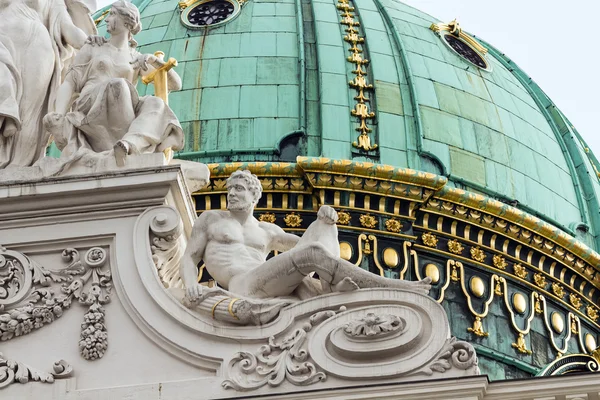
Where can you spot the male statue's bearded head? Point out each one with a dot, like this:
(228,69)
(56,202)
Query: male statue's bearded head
(243,191)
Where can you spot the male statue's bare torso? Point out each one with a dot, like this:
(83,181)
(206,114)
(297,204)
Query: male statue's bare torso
(250,243)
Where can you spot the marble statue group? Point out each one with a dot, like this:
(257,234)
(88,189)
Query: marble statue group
(61,82)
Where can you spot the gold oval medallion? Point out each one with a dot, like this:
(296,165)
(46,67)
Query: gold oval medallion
(558,323)
(345,251)
(477,286)
(390,257)
(590,342)
(519,303)
(432,271)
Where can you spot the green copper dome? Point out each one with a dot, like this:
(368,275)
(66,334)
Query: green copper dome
(272,83)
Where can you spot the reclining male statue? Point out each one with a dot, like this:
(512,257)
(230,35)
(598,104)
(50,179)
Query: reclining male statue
(234,246)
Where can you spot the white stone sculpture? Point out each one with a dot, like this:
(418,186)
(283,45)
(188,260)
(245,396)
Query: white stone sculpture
(108,116)
(129,228)
(234,246)
(36,43)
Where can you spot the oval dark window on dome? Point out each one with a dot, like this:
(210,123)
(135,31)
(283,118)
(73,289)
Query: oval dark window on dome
(465,51)
(210,12)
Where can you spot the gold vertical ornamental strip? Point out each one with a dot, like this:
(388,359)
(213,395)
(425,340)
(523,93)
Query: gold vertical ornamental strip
(361,109)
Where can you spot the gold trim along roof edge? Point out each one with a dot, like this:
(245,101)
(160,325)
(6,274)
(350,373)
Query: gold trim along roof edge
(405,175)
(372,170)
(521,218)
(257,168)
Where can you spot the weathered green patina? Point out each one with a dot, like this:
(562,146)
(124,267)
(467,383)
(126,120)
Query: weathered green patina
(273,84)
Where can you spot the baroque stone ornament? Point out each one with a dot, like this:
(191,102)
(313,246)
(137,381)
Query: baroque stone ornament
(400,340)
(276,362)
(455,354)
(167,247)
(16,372)
(372,325)
(32,296)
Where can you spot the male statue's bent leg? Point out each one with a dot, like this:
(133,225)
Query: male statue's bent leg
(333,270)
(280,275)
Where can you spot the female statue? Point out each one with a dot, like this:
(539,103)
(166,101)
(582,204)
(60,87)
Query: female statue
(37,38)
(108,115)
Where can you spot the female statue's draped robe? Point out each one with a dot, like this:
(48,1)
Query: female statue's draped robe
(33,56)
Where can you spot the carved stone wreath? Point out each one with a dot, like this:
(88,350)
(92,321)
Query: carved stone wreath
(32,296)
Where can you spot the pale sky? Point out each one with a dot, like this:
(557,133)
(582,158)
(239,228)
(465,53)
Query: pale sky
(553,41)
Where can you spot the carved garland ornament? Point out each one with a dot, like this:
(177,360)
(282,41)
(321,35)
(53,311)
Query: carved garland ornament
(30,296)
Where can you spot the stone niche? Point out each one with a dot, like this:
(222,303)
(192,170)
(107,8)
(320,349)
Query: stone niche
(89,291)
